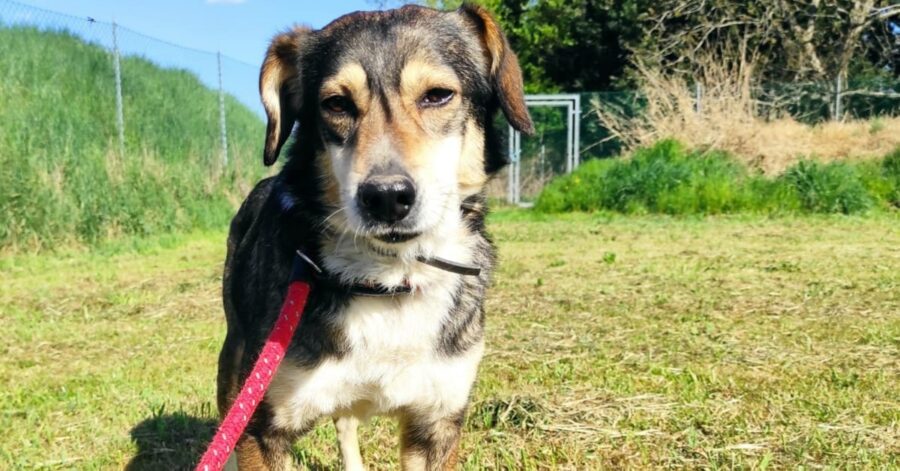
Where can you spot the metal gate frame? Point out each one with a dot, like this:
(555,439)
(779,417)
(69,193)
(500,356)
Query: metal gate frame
(572,103)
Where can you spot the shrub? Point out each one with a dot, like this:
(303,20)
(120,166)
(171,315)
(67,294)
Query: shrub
(663,178)
(579,191)
(668,179)
(767,128)
(828,188)
(891,172)
(770,196)
(876,182)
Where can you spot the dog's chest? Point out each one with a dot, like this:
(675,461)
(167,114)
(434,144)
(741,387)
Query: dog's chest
(393,362)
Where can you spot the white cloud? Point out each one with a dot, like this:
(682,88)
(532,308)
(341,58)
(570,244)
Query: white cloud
(224,2)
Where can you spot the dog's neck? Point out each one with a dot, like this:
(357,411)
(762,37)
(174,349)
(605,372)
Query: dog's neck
(356,260)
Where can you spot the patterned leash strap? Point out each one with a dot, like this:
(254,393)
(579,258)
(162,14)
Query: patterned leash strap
(260,377)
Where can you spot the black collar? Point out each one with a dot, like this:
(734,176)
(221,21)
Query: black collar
(452,267)
(379,290)
(472,204)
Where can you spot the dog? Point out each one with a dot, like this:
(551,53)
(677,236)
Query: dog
(392,114)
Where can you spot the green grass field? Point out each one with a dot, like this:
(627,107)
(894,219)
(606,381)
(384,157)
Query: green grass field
(617,342)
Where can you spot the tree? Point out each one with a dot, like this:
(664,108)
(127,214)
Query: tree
(592,45)
(580,45)
(568,45)
(787,40)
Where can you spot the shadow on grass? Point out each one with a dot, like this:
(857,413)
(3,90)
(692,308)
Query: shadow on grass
(176,441)
(170,441)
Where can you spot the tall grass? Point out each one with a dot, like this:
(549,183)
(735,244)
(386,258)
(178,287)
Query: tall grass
(61,180)
(669,178)
(890,171)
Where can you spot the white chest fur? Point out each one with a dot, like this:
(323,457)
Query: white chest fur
(393,363)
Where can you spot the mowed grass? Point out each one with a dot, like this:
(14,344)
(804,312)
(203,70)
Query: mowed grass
(613,342)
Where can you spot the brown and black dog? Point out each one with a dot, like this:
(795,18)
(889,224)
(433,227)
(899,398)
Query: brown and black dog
(394,144)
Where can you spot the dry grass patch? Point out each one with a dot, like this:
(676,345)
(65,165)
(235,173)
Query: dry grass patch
(733,119)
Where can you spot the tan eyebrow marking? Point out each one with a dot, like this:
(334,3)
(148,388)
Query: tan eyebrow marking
(350,79)
(418,76)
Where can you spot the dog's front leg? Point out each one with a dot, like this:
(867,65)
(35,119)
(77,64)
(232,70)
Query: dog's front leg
(269,452)
(429,444)
(348,442)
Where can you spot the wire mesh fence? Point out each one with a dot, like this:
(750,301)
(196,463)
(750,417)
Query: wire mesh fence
(225,118)
(131,79)
(543,156)
(858,98)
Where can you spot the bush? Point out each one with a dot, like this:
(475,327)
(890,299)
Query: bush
(668,179)
(891,171)
(663,178)
(579,191)
(828,188)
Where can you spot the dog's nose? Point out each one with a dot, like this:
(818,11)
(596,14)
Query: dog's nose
(387,199)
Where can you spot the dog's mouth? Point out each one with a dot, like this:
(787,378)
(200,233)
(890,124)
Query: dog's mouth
(397,237)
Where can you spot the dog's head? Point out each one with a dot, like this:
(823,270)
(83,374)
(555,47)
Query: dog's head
(396,106)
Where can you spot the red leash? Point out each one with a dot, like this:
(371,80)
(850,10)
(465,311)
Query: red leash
(257,383)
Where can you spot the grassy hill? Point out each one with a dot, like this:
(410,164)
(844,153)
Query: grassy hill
(61,180)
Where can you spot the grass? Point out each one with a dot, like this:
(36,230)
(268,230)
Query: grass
(613,342)
(668,178)
(62,179)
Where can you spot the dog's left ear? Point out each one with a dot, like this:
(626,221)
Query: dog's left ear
(280,89)
(506,76)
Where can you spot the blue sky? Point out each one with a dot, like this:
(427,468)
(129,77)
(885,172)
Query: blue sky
(238,28)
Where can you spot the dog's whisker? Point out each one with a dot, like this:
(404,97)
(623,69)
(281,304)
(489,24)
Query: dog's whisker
(341,238)
(356,235)
(335,213)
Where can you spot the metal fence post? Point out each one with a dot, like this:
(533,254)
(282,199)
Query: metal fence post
(223,131)
(570,137)
(543,161)
(576,150)
(515,152)
(120,117)
(698,98)
(511,170)
(838,91)
(518,167)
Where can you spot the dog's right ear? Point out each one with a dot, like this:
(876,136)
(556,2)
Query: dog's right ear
(506,76)
(280,89)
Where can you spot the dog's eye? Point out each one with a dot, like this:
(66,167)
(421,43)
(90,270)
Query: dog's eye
(337,104)
(436,97)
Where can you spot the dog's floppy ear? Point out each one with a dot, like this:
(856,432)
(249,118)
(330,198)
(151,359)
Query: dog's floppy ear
(506,76)
(279,88)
